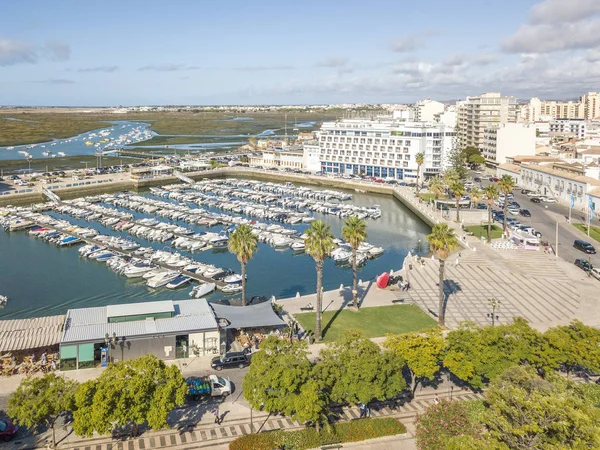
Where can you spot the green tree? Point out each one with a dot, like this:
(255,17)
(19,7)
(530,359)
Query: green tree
(277,376)
(436,186)
(491,195)
(574,346)
(41,401)
(422,352)
(475,194)
(242,243)
(442,241)
(355,233)
(526,412)
(456,157)
(354,370)
(469,151)
(420,159)
(443,421)
(319,244)
(458,189)
(476,160)
(506,185)
(481,442)
(129,392)
(311,404)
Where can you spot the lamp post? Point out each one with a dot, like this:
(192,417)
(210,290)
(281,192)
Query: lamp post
(495,304)
(109,340)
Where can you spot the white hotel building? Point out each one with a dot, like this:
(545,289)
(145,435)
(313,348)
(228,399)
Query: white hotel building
(382,148)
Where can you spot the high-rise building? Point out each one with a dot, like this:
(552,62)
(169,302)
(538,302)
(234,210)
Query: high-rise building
(427,110)
(591,105)
(476,114)
(588,108)
(508,140)
(383,148)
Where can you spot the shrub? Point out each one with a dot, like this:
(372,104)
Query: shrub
(443,421)
(358,430)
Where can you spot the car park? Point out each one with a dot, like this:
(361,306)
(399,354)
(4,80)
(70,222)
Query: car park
(584,246)
(228,360)
(536,200)
(525,213)
(583,264)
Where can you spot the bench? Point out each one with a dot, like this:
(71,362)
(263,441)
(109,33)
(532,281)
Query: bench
(307,308)
(331,445)
(398,300)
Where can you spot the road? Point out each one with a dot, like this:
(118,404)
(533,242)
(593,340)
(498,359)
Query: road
(545,216)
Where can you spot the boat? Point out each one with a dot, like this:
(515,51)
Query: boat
(89,143)
(375,251)
(62,154)
(202,290)
(213,272)
(162,279)
(153,273)
(298,246)
(231,288)
(219,241)
(178,282)
(3,300)
(138,269)
(104,256)
(233,279)
(100,253)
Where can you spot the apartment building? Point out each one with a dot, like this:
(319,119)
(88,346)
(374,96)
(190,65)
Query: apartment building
(383,148)
(476,114)
(292,159)
(427,110)
(587,108)
(508,140)
(576,127)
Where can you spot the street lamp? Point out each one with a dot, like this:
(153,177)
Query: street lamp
(495,304)
(108,340)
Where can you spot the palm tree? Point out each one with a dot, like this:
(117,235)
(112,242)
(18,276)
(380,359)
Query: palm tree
(458,189)
(355,233)
(319,243)
(442,241)
(243,243)
(491,194)
(475,194)
(420,158)
(436,186)
(506,185)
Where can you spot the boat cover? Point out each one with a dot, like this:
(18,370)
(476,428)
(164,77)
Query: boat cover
(382,280)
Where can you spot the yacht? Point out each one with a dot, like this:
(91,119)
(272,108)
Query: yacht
(341,255)
(298,246)
(162,279)
(137,270)
(202,290)
(233,279)
(219,241)
(231,288)
(213,272)
(153,273)
(376,251)
(178,282)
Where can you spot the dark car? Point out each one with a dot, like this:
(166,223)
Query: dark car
(536,200)
(584,246)
(477,180)
(228,360)
(525,191)
(494,179)
(583,264)
(8,430)
(525,213)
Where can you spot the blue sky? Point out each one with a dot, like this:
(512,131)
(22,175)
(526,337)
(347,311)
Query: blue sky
(280,52)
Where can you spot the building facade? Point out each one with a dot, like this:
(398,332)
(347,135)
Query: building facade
(476,114)
(292,159)
(508,140)
(383,148)
(427,110)
(577,127)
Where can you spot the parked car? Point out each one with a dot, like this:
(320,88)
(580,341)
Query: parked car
(513,211)
(583,264)
(549,200)
(536,200)
(584,246)
(532,194)
(8,430)
(595,272)
(228,360)
(477,180)
(525,191)
(525,213)
(494,179)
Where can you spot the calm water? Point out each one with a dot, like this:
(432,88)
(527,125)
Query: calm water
(42,279)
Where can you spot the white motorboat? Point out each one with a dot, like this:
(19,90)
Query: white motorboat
(3,300)
(298,246)
(178,282)
(153,273)
(340,255)
(233,279)
(376,251)
(231,288)
(162,279)
(138,269)
(202,290)
(219,241)
(212,272)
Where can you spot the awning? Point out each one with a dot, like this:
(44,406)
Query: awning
(27,334)
(251,316)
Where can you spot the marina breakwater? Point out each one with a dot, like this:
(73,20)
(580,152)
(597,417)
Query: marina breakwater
(74,189)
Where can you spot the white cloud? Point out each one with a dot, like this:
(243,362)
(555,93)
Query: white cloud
(556,11)
(332,61)
(106,69)
(485,59)
(58,50)
(454,60)
(407,43)
(16,52)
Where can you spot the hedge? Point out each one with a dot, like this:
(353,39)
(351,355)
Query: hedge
(357,430)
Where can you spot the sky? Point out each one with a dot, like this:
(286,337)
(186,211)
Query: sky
(198,52)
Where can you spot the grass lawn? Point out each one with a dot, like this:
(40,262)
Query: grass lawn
(481,230)
(374,322)
(594,231)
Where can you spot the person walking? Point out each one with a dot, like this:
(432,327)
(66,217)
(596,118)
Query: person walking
(218,419)
(363,410)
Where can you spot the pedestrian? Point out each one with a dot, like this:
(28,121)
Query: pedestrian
(367,410)
(407,285)
(363,410)
(217,416)
(44,358)
(436,400)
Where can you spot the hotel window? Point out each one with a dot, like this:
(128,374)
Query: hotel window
(407,143)
(335,139)
(384,141)
(362,140)
(369,153)
(355,140)
(376,154)
(407,157)
(405,164)
(376,142)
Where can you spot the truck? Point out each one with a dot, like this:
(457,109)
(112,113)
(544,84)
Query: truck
(209,386)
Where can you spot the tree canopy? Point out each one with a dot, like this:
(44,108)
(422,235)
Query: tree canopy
(129,392)
(41,401)
(354,370)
